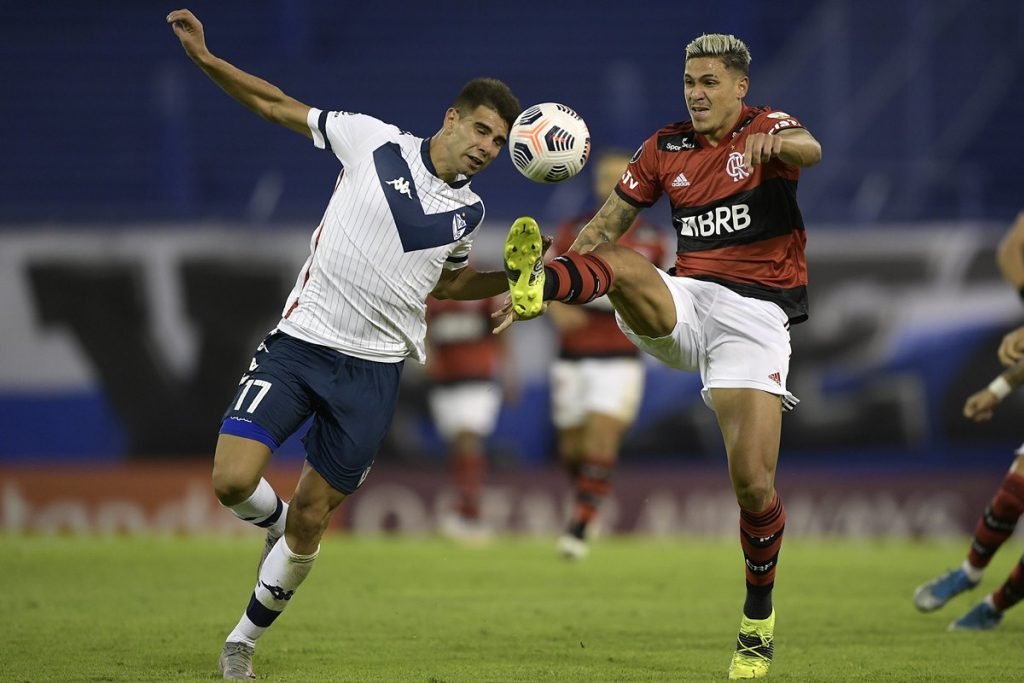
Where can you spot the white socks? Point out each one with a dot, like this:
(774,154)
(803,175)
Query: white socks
(973,573)
(282,573)
(263,508)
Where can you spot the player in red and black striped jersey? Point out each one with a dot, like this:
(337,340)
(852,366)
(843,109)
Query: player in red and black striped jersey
(730,174)
(1001,516)
(597,380)
(463,363)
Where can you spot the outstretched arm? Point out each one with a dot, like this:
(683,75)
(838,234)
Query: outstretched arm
(794,146)
(468,283)
(265,99)
(981,405)
(608,225)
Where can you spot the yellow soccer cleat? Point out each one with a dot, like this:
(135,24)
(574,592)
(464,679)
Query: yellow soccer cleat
(754,648)
(524,267)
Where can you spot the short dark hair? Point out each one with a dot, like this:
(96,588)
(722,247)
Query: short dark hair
(489,92)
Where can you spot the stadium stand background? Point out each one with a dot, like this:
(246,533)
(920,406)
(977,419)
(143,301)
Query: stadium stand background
(150,228)
(105,120)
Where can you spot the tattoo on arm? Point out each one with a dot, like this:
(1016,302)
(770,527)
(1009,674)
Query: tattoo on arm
(608,225)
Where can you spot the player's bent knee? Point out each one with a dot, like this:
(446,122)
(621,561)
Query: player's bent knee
(625,263)
(232,486)
(754,495)
(307,521)
(237,468)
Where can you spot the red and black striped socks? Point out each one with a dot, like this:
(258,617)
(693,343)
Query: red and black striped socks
(761,539)
(998,522)
(1012,591)
(577,278)
(468,471)
(593,483)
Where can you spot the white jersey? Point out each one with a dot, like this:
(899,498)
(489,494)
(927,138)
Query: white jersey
(389,230)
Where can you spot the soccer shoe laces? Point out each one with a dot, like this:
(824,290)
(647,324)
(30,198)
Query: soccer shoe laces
(761,646)
(236,661)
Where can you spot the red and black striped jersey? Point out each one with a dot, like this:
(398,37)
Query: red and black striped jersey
(460,346)
(601,337)
(740,229)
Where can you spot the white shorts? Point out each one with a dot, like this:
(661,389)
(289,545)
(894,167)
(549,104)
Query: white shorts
(733,341)
(610,386)
(466,407)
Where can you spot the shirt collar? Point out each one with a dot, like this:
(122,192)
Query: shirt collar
(460,180)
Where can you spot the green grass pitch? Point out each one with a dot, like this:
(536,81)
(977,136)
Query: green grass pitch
(400,609)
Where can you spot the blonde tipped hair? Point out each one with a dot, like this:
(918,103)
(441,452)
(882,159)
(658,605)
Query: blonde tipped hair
(731,50)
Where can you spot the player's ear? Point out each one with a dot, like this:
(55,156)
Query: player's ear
(451,117)
(742,86)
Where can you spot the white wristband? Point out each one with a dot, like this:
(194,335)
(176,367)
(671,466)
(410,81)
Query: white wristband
(1000,387)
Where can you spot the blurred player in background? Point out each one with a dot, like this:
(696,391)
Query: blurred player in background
(739,282)
(465,364)
(1000,517)
(398,227)
(598,379)
(996,525)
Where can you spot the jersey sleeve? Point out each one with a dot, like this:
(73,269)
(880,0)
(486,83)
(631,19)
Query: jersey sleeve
(772,122)
(349,136)
(458,258)
(640,185)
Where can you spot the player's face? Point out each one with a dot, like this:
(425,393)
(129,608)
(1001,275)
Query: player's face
(714,96)
(476,138)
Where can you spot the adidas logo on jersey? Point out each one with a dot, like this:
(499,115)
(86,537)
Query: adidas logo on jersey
(680,181)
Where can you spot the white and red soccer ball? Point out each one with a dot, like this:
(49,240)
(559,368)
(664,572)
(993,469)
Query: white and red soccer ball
(549,143)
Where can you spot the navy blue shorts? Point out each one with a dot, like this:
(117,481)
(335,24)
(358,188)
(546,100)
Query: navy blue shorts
(351,400)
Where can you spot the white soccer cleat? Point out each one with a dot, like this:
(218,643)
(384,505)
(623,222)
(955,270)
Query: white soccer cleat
(469,532)
(572,548)
(236,662)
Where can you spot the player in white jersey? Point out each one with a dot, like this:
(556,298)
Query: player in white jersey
(398,227)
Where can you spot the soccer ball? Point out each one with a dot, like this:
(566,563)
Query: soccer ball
(549,143)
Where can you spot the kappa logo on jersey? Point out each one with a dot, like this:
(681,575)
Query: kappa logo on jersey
(418,229)
(778,115)
(253,365)
(680,181)
(401,186)
(734,167)
(716,221)
(458,226)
